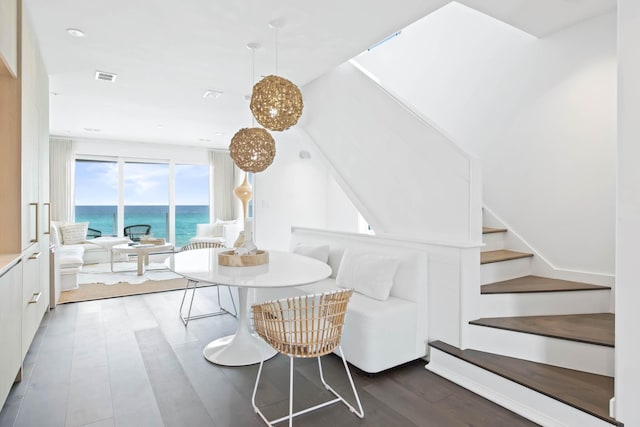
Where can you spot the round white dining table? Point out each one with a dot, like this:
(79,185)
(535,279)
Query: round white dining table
(284,269)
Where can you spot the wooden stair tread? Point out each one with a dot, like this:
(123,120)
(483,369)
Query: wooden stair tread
(531,284)
(584,391)
(595,328)
(490,230)
(501,255)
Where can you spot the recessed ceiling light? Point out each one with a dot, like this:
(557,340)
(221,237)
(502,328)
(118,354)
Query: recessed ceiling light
(92,129)
(74,32)
(106,77)
(159,125)
(215,94)
(219,133)
(204,140)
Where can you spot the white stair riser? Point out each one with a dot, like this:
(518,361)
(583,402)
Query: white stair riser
(530,404)
(543,303)
(493,241)
(596,359)
(504,270)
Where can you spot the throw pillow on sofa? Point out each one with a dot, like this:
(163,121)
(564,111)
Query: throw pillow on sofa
(73,234)
(367,273)
(319,252)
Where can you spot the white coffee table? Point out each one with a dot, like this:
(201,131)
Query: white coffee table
(141,251)
(284,269)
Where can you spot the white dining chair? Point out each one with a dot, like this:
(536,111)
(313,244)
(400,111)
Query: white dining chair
(193,286)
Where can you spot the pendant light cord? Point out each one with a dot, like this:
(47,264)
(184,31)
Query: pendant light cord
(253,80)
(276,50)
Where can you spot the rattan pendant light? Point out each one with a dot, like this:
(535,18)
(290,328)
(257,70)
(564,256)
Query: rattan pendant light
(252,149)
(276,102)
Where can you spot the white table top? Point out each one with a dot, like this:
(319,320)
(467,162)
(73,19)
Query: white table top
(283,269)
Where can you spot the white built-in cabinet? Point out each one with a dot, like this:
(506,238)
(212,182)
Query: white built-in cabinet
(35,299)
(24,197)
(35,184)
(10,328)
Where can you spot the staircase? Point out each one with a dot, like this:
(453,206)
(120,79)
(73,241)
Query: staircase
(540,346)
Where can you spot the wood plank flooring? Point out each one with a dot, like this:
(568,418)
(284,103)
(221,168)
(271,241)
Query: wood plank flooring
(501,255)
(585,391)
(130,362)
(532,284)
(595,328)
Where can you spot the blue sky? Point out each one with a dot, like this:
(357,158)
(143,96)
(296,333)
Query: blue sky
(144,184)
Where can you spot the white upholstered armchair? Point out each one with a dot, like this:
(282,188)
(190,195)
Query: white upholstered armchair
(223,232)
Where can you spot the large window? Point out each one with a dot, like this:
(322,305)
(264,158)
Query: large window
(192,200)
(112,194)
(97,194)
(146,196)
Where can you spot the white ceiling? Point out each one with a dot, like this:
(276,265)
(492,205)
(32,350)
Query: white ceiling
(541,17)
(168,53)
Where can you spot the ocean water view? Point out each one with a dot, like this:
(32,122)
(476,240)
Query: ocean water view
(104,217)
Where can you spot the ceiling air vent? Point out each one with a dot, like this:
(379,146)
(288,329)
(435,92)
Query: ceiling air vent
(104,76)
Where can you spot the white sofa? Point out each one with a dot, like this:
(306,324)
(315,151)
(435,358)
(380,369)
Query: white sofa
(71,258)
(224,232)
(377,335)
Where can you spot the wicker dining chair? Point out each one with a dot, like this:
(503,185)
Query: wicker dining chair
(304,326)
(193,285)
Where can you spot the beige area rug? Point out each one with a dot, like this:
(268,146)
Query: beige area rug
(93,291)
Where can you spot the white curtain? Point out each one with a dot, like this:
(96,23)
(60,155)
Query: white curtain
(62,165)
(224,175)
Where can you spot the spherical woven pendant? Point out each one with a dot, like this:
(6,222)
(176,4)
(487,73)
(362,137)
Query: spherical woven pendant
(276,103)
(252,149)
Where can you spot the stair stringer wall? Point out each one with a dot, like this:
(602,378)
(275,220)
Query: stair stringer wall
(404,175)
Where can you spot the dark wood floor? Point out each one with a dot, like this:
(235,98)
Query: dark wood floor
(533,284)
(130,362)
(491,230)
(594,328)
(582,390)
(501,255)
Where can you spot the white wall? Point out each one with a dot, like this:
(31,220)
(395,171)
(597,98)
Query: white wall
(628,215)
(297,192)
(539,113)
(342,215)
(403,175)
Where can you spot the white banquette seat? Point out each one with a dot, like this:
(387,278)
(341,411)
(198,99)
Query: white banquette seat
(379,333)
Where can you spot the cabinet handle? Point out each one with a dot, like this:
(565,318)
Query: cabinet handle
(36,205)
(35,255)
(34,299)
(48,205)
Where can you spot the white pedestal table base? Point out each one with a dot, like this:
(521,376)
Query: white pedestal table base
(243,348)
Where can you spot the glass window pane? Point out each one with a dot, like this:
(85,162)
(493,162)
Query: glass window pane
(192,200)
(96,195)
(146,196)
